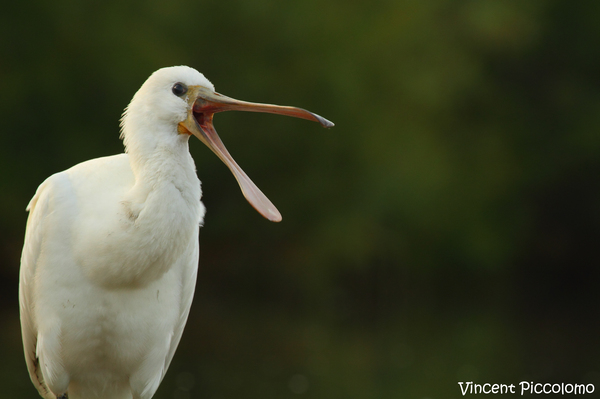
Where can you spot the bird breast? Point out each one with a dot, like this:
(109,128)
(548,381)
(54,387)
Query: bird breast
(132,232)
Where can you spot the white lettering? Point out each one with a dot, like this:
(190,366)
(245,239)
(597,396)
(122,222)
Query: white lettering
(464,391)
(529,387)
(567,386)
(483,389)
(587,389)
(549,390)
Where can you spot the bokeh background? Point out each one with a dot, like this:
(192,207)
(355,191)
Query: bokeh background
(446,230)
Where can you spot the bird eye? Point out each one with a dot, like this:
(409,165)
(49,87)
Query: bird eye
(179,89)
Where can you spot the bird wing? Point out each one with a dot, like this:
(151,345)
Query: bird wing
(38,208)
(188,285)
(149,377)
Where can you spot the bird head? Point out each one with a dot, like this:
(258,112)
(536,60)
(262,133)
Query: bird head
(186,99)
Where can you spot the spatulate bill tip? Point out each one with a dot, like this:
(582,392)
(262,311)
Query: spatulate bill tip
(324,122)
(275,219)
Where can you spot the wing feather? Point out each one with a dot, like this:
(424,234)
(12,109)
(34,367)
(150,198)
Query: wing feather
(38,209)
(148,379)
(188,286)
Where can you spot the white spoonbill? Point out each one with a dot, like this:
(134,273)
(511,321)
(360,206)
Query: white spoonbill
(110,259)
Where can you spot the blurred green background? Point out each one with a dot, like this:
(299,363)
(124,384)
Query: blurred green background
(446,230)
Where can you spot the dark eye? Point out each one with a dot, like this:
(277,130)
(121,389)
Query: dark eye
(179,89)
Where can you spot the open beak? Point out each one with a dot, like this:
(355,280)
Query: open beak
(203,105)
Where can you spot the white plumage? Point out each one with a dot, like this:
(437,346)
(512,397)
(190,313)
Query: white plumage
(110,259)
